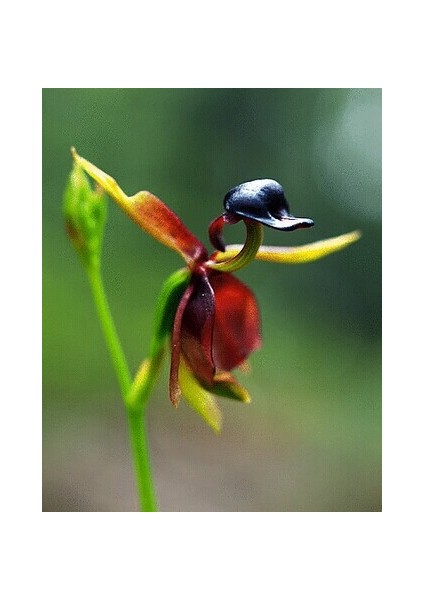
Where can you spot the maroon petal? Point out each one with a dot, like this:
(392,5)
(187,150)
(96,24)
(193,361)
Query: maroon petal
(237,323)
(197,329)
(174,388)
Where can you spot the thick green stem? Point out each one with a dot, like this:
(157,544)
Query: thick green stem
(136,413)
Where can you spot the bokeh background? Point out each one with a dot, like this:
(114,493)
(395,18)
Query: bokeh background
(311,439)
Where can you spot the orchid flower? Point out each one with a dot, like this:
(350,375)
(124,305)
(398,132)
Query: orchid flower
(210,318)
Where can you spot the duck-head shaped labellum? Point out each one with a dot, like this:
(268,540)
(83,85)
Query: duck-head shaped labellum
(263,200)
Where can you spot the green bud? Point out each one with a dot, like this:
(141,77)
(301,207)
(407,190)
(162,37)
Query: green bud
(84,210)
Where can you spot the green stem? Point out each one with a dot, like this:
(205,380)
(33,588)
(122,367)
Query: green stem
(109,331)
(140,449)
(136,413)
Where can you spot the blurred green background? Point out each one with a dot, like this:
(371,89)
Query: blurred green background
(311,439)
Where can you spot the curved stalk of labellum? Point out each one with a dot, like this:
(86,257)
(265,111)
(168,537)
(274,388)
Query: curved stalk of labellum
(254,236)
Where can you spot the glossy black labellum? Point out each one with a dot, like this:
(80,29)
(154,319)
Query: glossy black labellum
(263,200)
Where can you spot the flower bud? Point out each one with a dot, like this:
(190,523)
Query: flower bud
(84,210)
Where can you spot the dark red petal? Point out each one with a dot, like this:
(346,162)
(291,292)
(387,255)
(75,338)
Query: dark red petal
(237,322)
(197,329)
(174,388)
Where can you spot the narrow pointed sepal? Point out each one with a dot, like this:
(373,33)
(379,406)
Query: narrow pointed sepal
(294,254)
(150,213)
(200,399)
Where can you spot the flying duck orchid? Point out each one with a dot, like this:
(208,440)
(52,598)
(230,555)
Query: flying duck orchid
(209,318)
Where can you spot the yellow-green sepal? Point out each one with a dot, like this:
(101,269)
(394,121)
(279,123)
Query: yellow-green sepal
(294,254)
(199,398)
